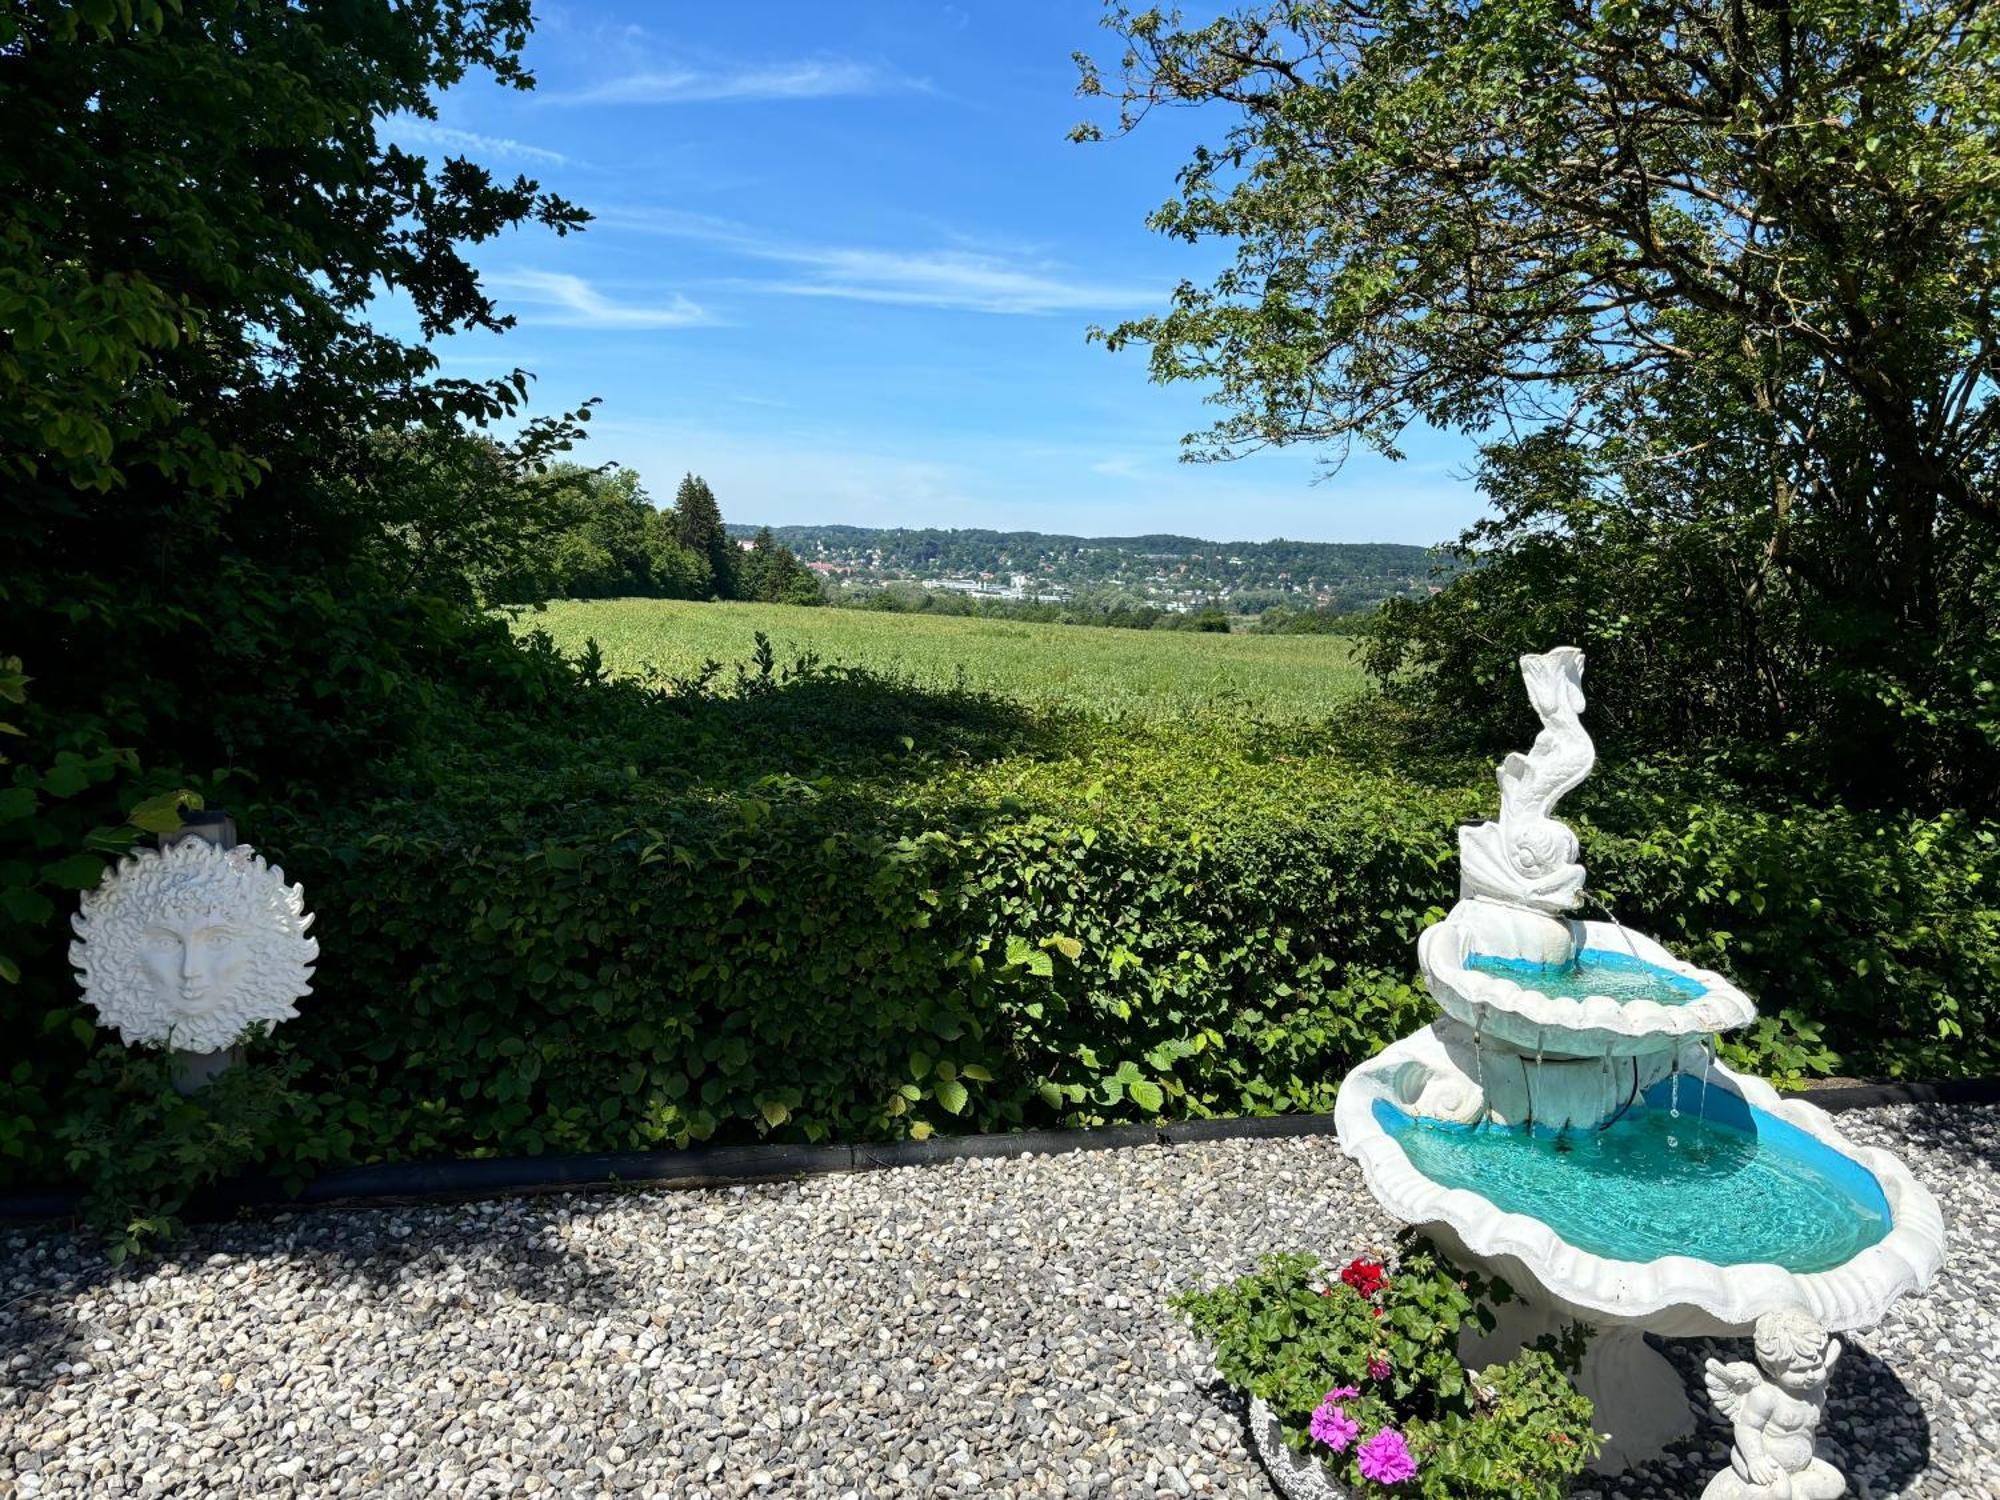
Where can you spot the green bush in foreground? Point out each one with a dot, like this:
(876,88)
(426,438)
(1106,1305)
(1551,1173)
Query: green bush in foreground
(1364,1368)
(817,903)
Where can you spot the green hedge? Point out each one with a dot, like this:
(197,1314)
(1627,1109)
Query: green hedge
(816,960)
(641,929)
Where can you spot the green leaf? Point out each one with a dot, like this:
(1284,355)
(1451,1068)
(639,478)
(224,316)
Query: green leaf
(162,814)
(952,1095)
(1148,1096)
(65,780)
(79,872)
(774,1112)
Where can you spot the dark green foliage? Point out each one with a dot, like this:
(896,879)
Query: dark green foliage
(770,573)
(698,527)
(195,208)
(816,903)
(1723,276)
(1282,620)
(1802,675)
(220,575)
(1293,1331)
(145,1149)
(610,541)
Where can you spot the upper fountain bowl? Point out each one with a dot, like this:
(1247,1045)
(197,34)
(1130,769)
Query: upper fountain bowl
(1594,990)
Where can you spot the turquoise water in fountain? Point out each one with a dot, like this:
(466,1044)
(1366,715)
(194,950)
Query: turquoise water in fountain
(1737,1188)
(1597,971)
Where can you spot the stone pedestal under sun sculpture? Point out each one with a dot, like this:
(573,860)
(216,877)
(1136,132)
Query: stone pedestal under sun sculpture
(189,946)
(1565,1126)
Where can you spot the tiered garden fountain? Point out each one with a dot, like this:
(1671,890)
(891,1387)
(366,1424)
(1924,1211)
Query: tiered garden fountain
(1565,1125)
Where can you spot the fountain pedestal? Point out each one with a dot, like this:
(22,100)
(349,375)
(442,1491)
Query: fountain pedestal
(1640,1399)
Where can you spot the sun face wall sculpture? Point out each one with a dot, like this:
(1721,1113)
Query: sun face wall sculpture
(189,946)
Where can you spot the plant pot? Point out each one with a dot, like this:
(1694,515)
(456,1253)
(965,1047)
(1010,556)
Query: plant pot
(1297,1476)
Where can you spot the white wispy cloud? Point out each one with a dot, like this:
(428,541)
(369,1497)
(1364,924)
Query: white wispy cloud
(809,78)
(960,279)
(430,133)
(579,304)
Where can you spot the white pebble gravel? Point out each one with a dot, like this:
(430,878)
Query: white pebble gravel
(987,1328)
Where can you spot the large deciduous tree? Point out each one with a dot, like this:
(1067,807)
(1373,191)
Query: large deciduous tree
(198,202)
(1750,242)
(224,563)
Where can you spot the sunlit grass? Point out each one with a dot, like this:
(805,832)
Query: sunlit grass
(1136,673)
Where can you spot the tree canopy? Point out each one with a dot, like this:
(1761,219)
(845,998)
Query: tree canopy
(242,524)
(1736,259)
(698,527)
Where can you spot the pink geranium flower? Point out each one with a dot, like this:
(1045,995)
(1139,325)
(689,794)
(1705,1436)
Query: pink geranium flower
(1333,1426)
(1385,1458)
(1378,1367)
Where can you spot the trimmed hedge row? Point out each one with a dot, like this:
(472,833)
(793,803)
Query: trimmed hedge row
(811,960)
(638,934)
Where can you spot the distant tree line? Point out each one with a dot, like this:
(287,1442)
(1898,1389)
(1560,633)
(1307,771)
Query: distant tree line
(595,533)
(1286,620)
(1356,574)
(1117,611)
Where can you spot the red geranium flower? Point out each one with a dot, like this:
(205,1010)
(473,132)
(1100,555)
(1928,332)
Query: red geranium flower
(1366,1276)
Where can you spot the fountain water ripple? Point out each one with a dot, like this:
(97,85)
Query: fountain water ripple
(1597,972)
(1633,1192)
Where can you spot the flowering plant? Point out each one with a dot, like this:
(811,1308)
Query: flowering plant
(1362,1370)
(1366,1276)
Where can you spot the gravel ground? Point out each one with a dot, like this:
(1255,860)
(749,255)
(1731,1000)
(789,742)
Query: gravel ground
(990,1328)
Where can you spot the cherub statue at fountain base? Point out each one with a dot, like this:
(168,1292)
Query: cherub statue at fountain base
(1776,1413)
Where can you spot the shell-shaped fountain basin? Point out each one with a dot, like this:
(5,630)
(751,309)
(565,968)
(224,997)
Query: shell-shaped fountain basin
(1591,989)
(1695,1225)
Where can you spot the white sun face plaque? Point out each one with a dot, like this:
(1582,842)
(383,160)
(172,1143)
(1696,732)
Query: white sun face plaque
(189,946)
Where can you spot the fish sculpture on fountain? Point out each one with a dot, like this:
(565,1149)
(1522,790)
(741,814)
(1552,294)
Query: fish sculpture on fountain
(1564,1125)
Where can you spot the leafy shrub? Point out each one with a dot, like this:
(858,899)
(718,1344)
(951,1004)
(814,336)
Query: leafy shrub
(813,903)
(1874,935)
(145,1148)
(1378,1347)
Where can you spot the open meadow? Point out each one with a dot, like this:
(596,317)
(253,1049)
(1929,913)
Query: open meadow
(1132,673)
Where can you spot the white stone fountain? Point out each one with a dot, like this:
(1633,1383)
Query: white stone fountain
(1564,1125)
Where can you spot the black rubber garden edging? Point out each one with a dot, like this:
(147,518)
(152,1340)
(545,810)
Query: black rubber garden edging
(722,1166)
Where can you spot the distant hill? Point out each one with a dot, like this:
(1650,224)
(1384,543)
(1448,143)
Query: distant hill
(1161,567)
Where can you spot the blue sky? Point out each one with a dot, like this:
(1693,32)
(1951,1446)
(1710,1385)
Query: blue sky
(843,265)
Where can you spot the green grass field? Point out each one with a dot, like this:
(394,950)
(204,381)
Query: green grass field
(1135,673)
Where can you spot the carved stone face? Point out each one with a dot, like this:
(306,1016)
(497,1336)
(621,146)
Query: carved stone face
(190,946)
(1806,1370)
(193,962)
(1794,1350)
